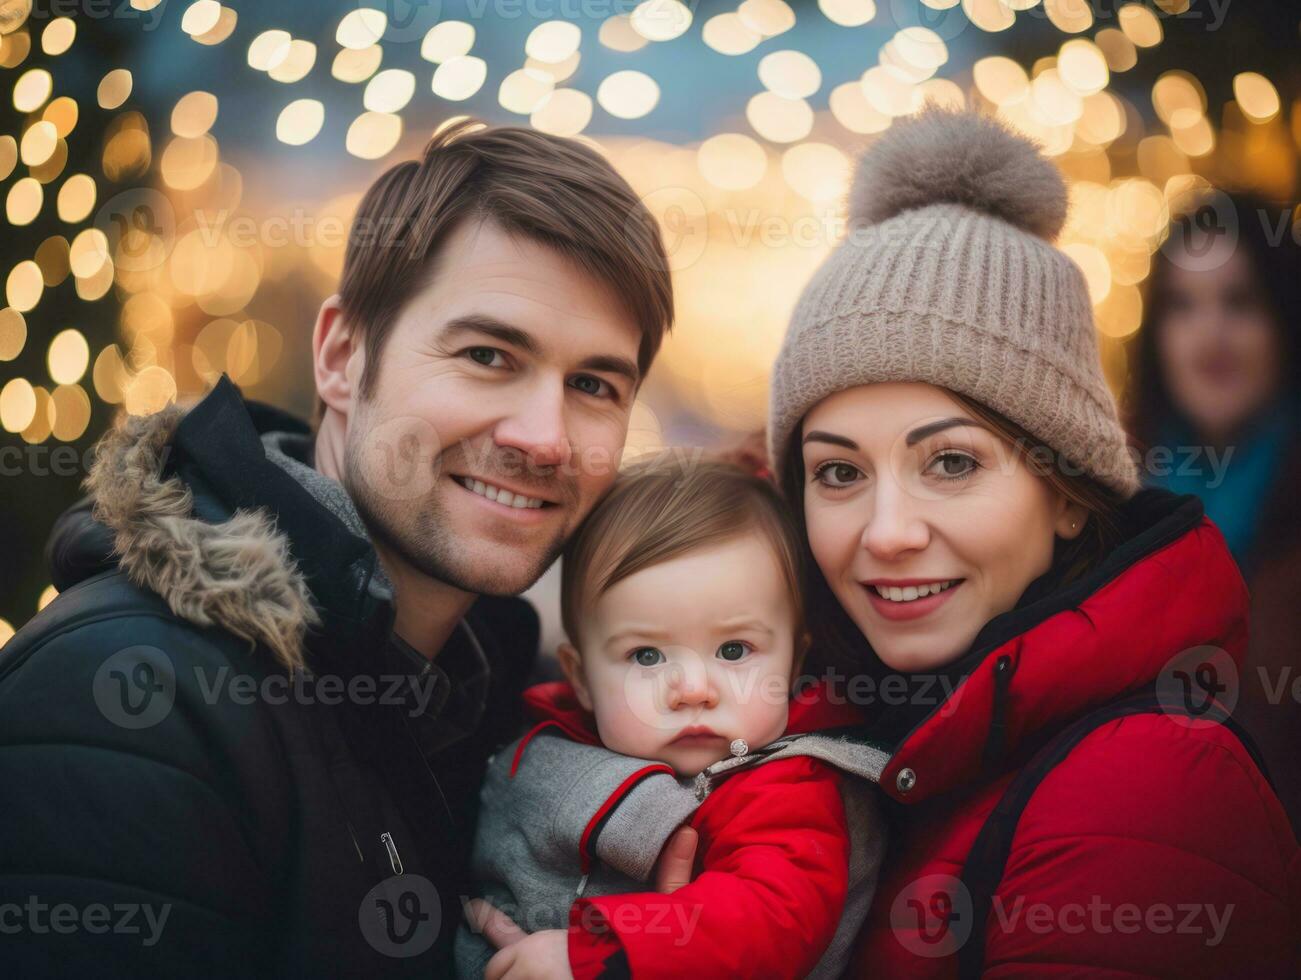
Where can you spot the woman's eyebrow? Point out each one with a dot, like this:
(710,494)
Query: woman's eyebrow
(922,431)
(817,435)
(913,437)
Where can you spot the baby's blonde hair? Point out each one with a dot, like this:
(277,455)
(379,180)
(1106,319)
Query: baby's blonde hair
(657,511)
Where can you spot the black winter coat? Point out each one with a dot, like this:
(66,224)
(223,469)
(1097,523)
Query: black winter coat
(171,804)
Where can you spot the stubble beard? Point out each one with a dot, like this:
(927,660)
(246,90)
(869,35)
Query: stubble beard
(420,534)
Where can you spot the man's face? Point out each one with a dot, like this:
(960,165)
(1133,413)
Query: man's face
(497,416)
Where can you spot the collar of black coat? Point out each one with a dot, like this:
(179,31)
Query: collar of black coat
(200,516)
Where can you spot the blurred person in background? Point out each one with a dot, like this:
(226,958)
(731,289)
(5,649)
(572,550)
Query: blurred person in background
(1215,409)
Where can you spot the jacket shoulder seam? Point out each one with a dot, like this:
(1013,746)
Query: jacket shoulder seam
(39,644)
(116,750)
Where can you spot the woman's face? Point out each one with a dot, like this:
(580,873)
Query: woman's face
(924,523)
(1218,343)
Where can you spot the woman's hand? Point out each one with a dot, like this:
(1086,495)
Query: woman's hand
(544,955)
(673,869)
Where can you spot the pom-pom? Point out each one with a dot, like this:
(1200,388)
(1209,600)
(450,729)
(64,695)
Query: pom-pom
(959,157)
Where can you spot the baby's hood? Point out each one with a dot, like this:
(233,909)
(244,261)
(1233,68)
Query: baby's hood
(555,703)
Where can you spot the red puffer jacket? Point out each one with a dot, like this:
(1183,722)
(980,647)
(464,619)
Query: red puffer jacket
(1155,847)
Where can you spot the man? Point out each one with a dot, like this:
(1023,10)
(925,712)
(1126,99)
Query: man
(247,737)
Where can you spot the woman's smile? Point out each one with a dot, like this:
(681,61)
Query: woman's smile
(905,599)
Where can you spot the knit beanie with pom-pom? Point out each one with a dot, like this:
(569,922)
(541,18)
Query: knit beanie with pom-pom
(948,276)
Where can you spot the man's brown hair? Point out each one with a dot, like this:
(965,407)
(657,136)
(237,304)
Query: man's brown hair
(657,511)
(554,191)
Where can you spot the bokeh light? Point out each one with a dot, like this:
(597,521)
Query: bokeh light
(178,202)
(68,357)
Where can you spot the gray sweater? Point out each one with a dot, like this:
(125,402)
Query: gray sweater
(525,859)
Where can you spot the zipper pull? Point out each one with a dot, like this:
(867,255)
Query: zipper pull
(996,740)
(393,859)
(582,884)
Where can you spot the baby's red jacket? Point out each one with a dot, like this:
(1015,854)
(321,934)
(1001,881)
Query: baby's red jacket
(770,874)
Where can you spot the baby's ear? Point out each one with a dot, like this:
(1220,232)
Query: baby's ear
(572,665)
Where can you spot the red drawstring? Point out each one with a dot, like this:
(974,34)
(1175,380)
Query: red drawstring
(528,737)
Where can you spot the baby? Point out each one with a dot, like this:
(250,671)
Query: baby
(681,594)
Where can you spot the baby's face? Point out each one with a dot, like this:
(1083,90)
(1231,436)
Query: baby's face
(683,657)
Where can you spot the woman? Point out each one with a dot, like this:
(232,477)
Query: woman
(1216,390)
(941,425)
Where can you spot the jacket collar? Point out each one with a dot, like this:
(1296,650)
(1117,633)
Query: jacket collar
(217,444)
(200,516)
(1171,586)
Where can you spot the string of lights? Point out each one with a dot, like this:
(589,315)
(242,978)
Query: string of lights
(174,260)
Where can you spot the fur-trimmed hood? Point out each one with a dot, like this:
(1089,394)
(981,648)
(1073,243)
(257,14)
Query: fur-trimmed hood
(237,574)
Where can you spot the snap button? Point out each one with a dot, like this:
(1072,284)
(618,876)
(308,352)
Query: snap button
(906,780)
